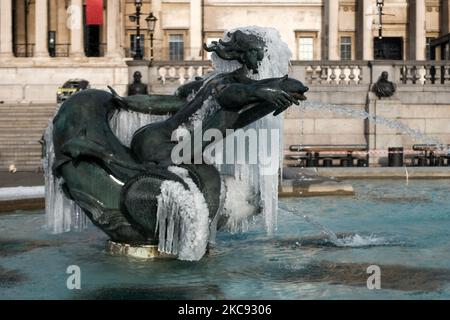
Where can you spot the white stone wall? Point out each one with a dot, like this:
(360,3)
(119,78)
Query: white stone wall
(32,81)
(288,20)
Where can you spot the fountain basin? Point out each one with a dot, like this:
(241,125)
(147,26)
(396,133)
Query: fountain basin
(402,228)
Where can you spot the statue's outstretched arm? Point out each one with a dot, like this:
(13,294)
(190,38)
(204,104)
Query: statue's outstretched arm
(154,104)
(235,97)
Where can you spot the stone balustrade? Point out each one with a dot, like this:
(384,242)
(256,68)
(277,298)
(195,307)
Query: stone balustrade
(317,73)
(421,73)
(169,73)
(416,73)
(330,72)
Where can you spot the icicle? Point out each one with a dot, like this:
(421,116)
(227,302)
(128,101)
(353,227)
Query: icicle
(125,123)
(182,218)
(62,214)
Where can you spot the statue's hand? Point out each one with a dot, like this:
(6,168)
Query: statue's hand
(278,97)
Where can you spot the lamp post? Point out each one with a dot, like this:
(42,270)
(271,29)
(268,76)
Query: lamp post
(151,22)
(380,4)
(137,18)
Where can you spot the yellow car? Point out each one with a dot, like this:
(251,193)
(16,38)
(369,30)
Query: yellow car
(71,87)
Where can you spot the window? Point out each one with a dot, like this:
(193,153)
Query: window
(176,47)
(388,48)
(428,47)
(133,44)
(346,48)
(306,48)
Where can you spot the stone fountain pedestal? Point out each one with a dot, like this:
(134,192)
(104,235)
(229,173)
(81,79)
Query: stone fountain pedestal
(382,137)
(140,252)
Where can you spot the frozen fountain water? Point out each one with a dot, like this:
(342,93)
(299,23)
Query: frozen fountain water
(125,123)
(62,214)
(264,186)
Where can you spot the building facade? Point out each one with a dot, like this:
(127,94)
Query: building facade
(336,52)
(313,29)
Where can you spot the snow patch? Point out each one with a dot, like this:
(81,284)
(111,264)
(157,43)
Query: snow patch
(18,193)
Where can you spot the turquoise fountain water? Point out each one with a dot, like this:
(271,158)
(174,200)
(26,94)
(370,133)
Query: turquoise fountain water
(401,228)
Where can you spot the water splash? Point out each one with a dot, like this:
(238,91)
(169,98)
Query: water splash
(352,240)
(357,240)
(361,114)
(327,232)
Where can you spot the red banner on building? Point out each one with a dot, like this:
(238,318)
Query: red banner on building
(94,12)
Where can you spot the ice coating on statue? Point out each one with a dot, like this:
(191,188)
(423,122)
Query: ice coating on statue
(182,218)
(125,123)
(275,63)
(61,213)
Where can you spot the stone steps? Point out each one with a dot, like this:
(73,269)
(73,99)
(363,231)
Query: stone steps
(16,148)
(24,131)
(21,128)
(25,110)
(24,125)
(8,137)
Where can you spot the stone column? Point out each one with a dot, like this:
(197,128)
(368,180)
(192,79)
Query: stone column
(445,17)
(20,23)
(76,29)
(41,26)
(366,29)
(332,8)
(113,23)
(195,34)
(6,29)
(62,33)
(420,30)
(157,33)
(417,30)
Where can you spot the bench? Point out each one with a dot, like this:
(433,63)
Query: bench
(430,155)
(311,155)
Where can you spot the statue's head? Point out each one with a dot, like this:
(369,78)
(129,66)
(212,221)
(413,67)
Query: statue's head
(248,49)
(384,75)
(294,87)
(137,76)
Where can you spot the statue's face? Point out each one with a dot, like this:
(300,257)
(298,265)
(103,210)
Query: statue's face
(248,49)
(251,59)
(137,76)
(384,75)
